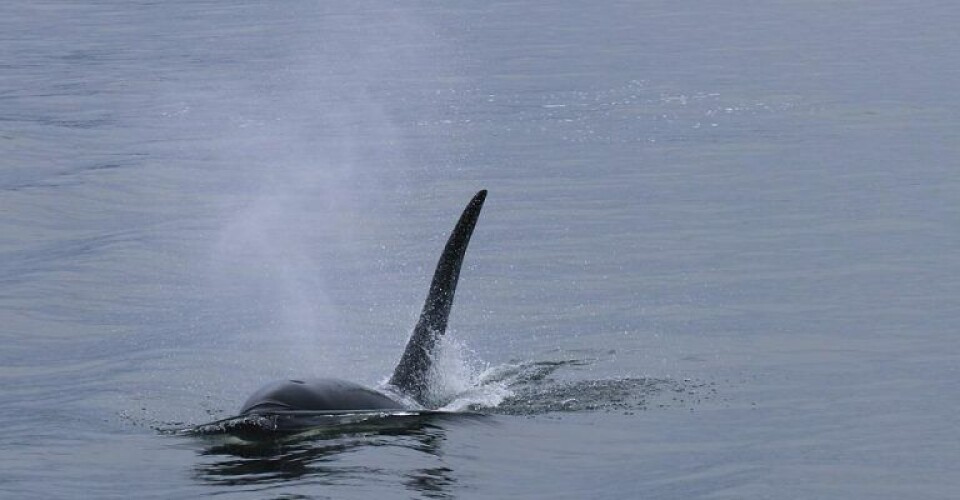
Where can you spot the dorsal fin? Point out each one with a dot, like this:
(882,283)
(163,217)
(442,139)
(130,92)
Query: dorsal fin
(411,373)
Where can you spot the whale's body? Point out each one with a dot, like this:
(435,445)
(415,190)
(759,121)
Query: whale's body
(317,395)
(411,376)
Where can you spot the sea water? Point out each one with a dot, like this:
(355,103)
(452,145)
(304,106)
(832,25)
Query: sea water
(718,258)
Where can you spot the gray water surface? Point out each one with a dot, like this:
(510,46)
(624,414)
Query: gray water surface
(718,258)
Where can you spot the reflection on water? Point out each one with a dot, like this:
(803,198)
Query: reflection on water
(331,457)
(433,482)
(293,449)
(297,448)
(267,464)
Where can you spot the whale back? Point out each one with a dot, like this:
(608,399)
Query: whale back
(319,395)
(411,374)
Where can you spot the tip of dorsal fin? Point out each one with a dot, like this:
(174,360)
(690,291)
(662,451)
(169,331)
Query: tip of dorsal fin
(412,372)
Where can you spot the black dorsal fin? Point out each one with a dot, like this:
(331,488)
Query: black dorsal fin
(412,372)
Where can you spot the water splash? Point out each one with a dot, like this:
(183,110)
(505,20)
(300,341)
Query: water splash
(459,380)
(462,382)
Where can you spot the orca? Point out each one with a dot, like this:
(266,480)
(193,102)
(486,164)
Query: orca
(411,376)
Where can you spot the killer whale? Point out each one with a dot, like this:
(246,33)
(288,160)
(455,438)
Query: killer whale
(411,375)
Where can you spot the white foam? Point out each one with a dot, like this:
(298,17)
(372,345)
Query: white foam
(459,379)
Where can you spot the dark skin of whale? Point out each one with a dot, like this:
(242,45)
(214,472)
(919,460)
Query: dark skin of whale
(410,377)
(319,395)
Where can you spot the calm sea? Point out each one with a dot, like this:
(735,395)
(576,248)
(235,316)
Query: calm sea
(719,257)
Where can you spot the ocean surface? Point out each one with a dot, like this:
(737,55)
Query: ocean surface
(718,259)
